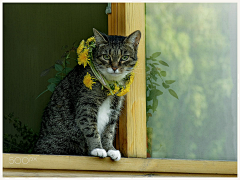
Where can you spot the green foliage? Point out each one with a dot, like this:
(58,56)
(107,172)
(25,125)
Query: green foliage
(61,68)
(23,141)
(197,42)
(153,73)
(173,93)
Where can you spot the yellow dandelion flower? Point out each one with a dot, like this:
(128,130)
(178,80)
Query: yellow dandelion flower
(124,91)
(116,89)
(80,47)
(131,78)
(90,40)
(135,65)
(83,58)
(88,81)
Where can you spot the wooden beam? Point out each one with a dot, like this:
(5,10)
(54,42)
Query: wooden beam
(74,173)
(58,162)
(125,19)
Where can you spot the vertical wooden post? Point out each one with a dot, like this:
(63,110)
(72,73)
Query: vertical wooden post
(124,19)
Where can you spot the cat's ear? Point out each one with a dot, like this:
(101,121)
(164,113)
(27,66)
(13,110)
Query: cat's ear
(100,37)
(133,39)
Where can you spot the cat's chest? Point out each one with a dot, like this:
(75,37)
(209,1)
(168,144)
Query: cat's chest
(104,113)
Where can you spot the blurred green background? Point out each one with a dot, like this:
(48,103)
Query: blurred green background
(199,42)
(34,37)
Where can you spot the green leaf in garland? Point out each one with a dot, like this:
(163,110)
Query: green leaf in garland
(156,54)
(58,67)
(173,93)
(169,81)
(163,73)
(163,63)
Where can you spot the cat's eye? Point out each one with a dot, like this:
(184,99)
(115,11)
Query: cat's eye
(106,57)
(124,58)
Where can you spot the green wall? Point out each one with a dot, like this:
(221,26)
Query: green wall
(33,36)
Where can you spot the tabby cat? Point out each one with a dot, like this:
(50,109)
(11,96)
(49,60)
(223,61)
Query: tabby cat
(81,121)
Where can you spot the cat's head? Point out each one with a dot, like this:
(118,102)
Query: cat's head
(115,56)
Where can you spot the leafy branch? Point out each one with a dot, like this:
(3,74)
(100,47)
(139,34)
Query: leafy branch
(23,141)
(62,69)
(153,73)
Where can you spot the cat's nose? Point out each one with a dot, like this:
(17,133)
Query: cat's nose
(114,68)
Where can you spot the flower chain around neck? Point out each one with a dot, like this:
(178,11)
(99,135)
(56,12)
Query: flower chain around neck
(84,52)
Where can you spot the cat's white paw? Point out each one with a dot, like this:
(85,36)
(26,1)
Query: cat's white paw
(99,152)
(114,155)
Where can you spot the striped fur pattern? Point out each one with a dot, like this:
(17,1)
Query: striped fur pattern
(80,121)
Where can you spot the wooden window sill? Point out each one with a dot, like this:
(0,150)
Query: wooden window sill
(82,166)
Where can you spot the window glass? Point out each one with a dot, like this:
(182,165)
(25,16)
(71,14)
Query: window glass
(194,116)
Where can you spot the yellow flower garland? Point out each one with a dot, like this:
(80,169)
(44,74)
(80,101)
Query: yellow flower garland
(127,89)
(84,52)
(88,81)
(83,58)
(121,91)
(80,47)
(89,40)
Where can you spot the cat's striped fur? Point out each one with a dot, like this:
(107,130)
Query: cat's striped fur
(80,121)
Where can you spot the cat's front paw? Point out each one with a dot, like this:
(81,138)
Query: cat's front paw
(114,155)
(99,152)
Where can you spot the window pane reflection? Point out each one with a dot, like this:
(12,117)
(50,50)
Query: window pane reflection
(199,43)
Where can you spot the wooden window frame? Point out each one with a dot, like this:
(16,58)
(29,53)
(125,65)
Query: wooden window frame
(131,139)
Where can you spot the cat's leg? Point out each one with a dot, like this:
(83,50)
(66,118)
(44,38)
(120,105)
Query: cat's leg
(107,142)
(87,122)
(108,135)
